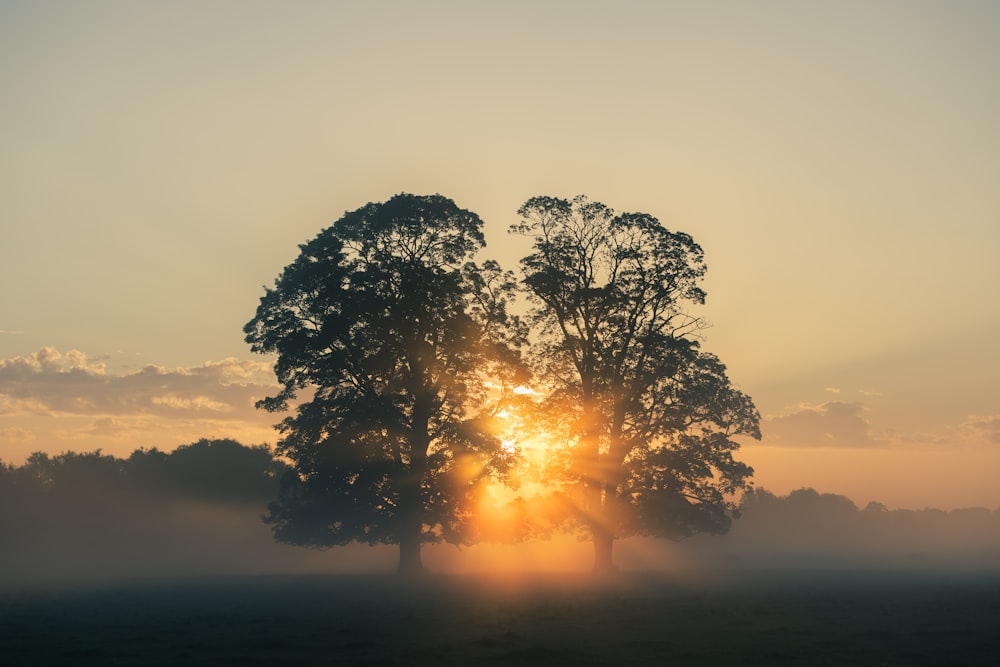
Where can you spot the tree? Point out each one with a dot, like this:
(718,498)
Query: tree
(647,418)
(213,470)
(84,478)
(384,318)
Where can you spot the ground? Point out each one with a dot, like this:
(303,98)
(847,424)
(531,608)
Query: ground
(759,618)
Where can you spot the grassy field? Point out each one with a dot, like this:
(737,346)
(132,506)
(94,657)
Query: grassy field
(805,618)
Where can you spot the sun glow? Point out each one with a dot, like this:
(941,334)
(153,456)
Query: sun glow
(529,500)
(521,437)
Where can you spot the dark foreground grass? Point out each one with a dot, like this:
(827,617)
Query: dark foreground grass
(759,619)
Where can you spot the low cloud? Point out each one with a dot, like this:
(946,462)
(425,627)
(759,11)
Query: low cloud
(111,426)
(832,424)
(56,401)
(987,427)
(14,434)
(51,383)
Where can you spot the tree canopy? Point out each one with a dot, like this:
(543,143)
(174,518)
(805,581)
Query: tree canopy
(646,419)
(384,330)
(210,470)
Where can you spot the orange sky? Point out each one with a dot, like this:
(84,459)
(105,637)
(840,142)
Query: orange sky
(839,164)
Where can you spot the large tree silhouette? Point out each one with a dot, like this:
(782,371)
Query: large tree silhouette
(646,417)
(389,326)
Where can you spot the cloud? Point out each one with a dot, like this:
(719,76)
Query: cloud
(831,424)
(105,426)
(57,401)
(14,434)
(55,384)
(984,426)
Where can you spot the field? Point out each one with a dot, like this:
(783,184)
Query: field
(761,618)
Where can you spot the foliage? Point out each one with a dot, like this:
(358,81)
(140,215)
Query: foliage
(221,471)
(388,323)
(648,418)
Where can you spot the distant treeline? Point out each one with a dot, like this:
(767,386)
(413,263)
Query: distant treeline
(199,509)
(812,529)
(208,470)
(224,471)
(195,510)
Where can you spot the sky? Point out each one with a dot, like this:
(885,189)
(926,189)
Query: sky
(838,162)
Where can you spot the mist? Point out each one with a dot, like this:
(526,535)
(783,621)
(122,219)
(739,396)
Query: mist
(811,531)
(198,512)
(164,559)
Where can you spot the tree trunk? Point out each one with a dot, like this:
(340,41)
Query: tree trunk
(603,544)
(409,557)
(411,501)
(410,525)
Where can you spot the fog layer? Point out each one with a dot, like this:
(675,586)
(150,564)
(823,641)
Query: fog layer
(198,511)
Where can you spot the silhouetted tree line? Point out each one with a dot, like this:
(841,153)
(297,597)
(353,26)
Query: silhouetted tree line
(153,511)
(90,500)
(220,471)
(808,528)
(195,509)
(806,513)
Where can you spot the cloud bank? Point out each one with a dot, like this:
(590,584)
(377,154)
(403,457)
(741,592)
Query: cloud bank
(51,399)
(832,424)
(987,427)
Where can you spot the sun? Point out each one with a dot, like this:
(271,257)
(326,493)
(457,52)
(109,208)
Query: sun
(523,438)
(529,500)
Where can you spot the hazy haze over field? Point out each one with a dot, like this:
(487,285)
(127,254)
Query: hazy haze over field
(802,532)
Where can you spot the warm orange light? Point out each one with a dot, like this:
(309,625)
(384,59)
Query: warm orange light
(529,502)
(531,447)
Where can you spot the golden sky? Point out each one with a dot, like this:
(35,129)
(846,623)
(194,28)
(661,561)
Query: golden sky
(839,162)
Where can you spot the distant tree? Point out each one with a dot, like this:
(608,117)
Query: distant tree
(224,470)
(648,419)
(146,469)
(389,326)
(8,477)
(214,470)
(803,513)
(78,477)
(37,471)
